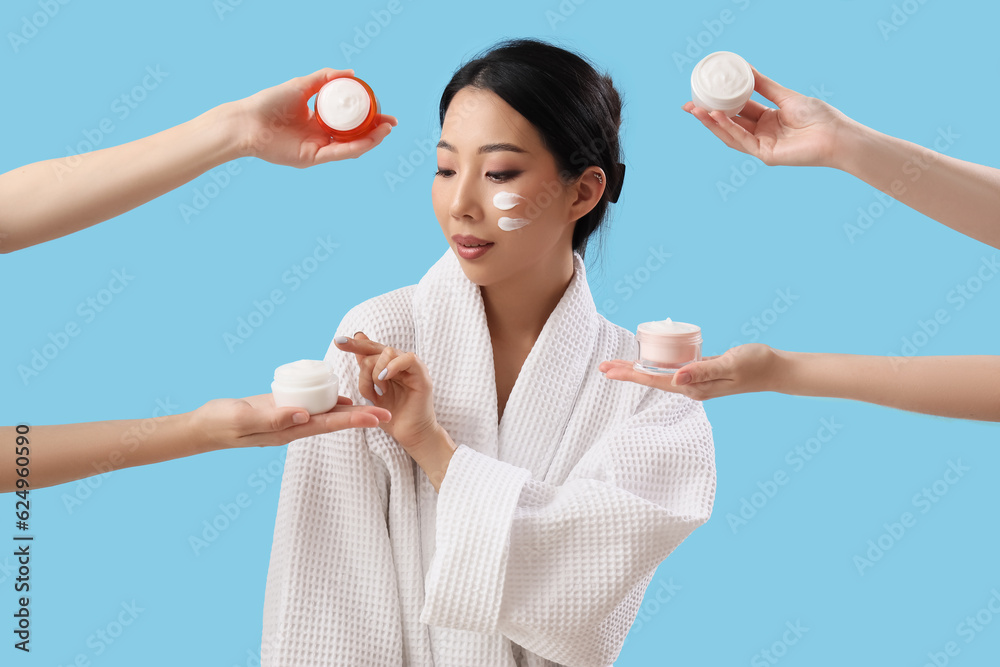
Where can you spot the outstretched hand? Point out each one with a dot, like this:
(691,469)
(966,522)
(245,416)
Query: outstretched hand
(256,421)
(278,125)
(743,369)
(802,131)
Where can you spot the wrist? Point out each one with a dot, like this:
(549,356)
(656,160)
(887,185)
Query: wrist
(200,431)
(852,146)
(432,450)
(783,365)
(229,122)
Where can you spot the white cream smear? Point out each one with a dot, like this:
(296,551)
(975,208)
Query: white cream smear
(510,224)
(343,104)
(505,201)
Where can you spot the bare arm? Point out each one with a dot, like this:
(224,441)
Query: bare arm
(965,387)
(45,200)
(67,452)
(807,131)
(962,195)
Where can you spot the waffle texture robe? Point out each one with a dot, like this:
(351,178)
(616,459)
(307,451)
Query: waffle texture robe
(547,527)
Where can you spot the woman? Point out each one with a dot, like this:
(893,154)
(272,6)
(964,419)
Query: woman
(959,194)
(516,505)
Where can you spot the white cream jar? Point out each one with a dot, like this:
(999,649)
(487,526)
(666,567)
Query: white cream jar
(306,383)
(722,81)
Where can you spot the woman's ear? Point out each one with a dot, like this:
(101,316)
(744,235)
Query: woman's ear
(589,189)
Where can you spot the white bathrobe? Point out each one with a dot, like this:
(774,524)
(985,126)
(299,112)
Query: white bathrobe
(547,527)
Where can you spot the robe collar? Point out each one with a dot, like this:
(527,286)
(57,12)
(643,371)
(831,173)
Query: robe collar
(452,338)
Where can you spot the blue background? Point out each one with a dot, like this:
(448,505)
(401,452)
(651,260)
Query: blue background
(727,594)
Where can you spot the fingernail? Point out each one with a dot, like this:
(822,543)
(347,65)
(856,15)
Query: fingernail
(377,390)
(683,378)
(300,418)
(340,340)
(381,376)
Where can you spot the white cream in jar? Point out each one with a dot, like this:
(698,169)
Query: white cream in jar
(722,81)
(307,383)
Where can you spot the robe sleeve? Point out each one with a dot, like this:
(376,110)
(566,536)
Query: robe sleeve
(561,569)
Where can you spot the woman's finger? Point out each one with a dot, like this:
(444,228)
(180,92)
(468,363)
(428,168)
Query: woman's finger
(380,369)
(740,138)
(749,125)
(336,150)
(328,422)
(770,88)
(701,371)
(629,374)
(359,344)
(311,83)
(605,365)
(754,110)
(712,124)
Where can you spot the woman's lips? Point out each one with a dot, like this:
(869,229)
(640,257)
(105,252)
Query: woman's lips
(472,252)
(471,247)
(468,239)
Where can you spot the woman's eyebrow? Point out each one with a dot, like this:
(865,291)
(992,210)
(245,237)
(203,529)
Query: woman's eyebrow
(488,148)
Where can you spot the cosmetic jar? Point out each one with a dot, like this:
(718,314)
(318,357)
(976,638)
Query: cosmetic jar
(306,383)
(346,108)
(666,346)
(722,81)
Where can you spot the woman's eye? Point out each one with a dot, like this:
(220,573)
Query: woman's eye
(502,176)
(444,172)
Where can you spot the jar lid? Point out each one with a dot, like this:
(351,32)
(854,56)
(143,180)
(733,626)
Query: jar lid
(343,103)
(305,373)
(723,79)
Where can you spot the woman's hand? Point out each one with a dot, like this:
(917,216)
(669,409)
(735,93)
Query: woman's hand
(256,421)
(278,125)
(741,370)
(802,131)
(399,382)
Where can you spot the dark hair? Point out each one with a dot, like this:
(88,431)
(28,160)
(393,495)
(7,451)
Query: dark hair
(576,110)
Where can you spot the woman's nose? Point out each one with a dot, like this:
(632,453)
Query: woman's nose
(465,199)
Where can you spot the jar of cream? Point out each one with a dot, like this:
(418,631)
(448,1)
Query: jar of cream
(722,81)
(346,108)
(306,383)
(666,346)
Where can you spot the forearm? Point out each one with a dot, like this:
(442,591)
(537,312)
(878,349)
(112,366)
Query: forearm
(962,195)
(45,200)
(68,452)
(966,387)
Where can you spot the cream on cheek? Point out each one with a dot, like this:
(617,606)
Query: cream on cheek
(505,201)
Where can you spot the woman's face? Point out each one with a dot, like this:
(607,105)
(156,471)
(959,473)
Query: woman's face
(488,148)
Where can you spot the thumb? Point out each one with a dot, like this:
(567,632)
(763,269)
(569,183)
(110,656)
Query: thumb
(311,83)
(699,371)
(281,419)
(770,88)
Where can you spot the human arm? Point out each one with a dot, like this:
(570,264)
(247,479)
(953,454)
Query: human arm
(963,387)
(807,131)
(52,198)
(67,452)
